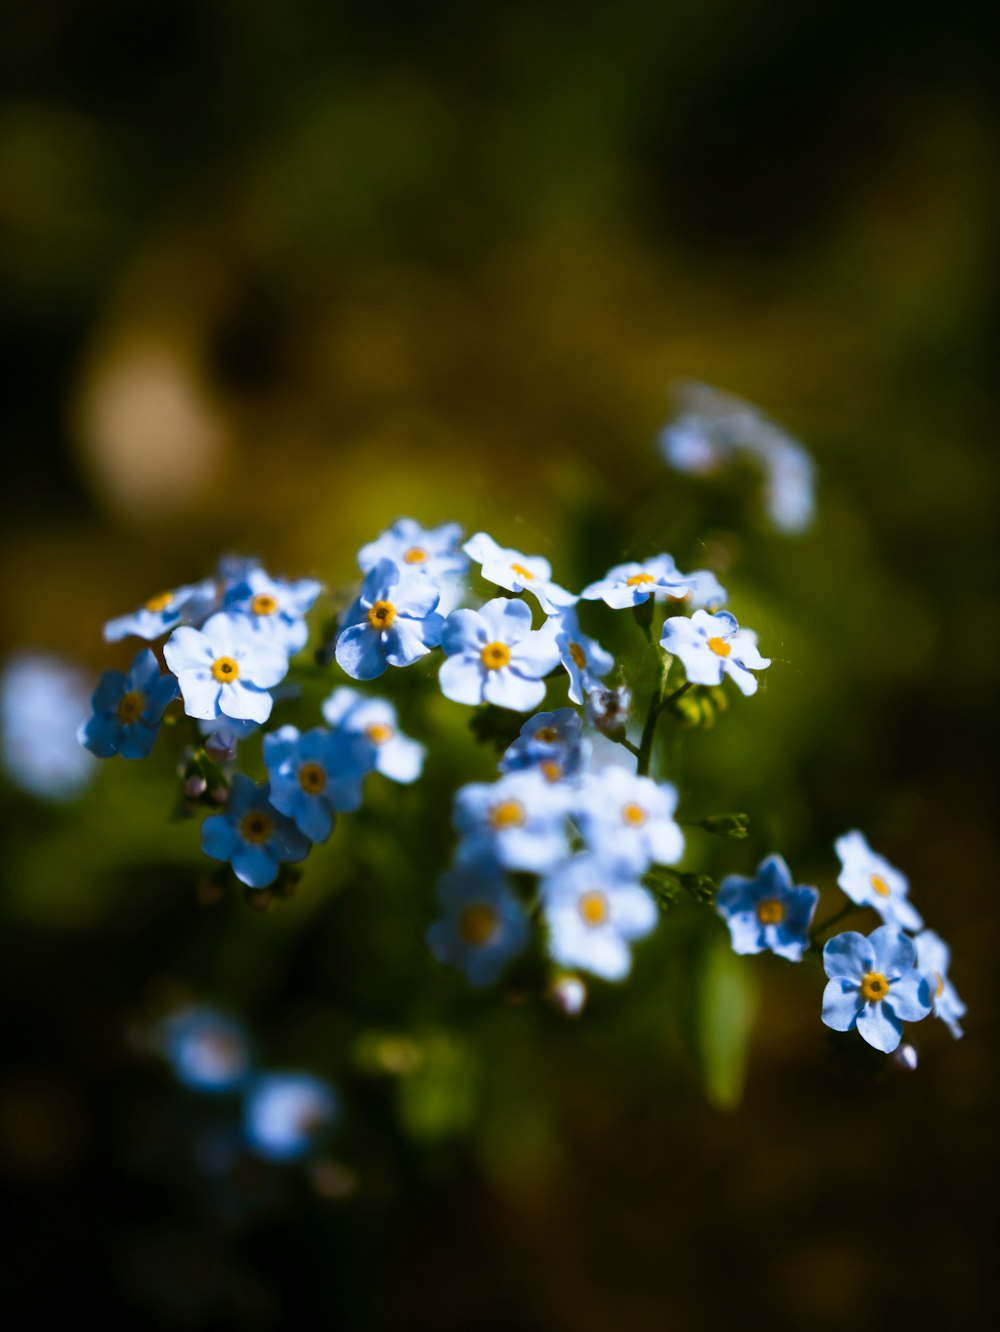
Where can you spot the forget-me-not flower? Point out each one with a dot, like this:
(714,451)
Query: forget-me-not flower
(208,1051)
(482,926)
(394,754)
(627,819)
(768,911)
(286,1116)
(933,957)
(552,742)
(593,911)
(874,985)
(166,611)
(254,836)
(705,592)
(713,646)
(870,880)
(518,822)
(275,608)
(223,669)
(586,662)
(392,623)
(633,583)
(435,552)
(494,656)
(517,572)
(315,774)
(43,702)
(128,708)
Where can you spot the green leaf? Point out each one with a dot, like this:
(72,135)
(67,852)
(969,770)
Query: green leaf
(727,1003)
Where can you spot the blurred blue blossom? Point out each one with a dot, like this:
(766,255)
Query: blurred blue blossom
(594,911)
(768,911)
(518,822)
(209,1051)
(628,820)
(433,551)
(552,742)
(128,708)
(869,880)
(933,959)
(166,611)
(43,702)
(517,572)
(633,583)
(586,662)
(276,609)
(287,1116)
(482,927)
(393,754)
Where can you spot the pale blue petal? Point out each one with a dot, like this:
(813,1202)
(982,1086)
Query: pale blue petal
(848,956)
(464,631)
(842,1003)
(461,678)
(244,703)
(359,652)
(909,997)
(253,866)
(219,837)
(507,690)
(894,953)
(880,1027)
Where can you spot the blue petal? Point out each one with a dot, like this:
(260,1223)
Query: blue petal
(842,1003)
(507,690)
(108,694)
(245,703)
(101,736)
(404,644)
(848,956)
(880,1027)
(137,740)
(359,652)
(253,866)
(461,679)
(894,952)
(219,837)
(464,631)
(909,997)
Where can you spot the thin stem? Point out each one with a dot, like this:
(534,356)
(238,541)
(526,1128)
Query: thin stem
(678,693)
(645,755)
(837,916)
(632,749)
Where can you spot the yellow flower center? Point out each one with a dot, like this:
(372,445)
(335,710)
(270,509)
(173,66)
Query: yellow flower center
(879,885)
(312,778)
(634,815)
(264,604)
(578,655)
(130,705)
(415,555)
(255,827)
(225,670)
(637,580)
(547,735)
(593,907)
(378,733)
(382,615)
(874,986)
(770,911)
(477,924)
(508,814)
(522,572)
(720,647)
(940,985)
(551,771)
(495,655)
(160,602)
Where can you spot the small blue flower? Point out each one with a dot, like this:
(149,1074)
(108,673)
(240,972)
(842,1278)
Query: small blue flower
(315,775)
(518,822)
(208,1051)
(594,910)
(128,709)
(632,584)
(705,592)
(517,572)
(392,623)
(768,911)
(254,836)
(933,957)
(394,754)
(870,880)
(552,742)
(224,670)
(433,551)
(286,1116)
(874,985)
(585,660)
(712,646)
(483,926)
(275,609)
(494,656)
(627,819)
(43,702)
(166,611)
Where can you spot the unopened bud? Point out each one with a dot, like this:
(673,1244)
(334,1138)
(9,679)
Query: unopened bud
(221,746)
(219,795)
(194,786)
(726,825)
(569,994)
(608,709)
(905,1056)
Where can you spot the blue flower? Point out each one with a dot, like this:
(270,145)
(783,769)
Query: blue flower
(874,985)
(224,670)
(712,646)
(254,836)
(494,656)
(552,742)
(482,926)
(627,819)
(394,754)
(315,774)
(166,611)
(286,1116)
(275,609)
(128,708)
(593,911)
(633,583)
(432,551)
(392,623)
(517,572)
(768,911)
(518,822)
(207,1050)
(585,660)
(705,592)
(933,956)
(43,701)
(870,880)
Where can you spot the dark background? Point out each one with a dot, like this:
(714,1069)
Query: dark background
(274,275)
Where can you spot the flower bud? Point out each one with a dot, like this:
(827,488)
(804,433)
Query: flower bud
(569,994)
(608,709)
(194,786)
(905,1056)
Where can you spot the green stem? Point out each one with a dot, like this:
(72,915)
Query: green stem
(632,749)
(835,919)
(645,754)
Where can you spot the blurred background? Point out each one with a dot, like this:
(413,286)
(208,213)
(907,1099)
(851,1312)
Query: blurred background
(274,275)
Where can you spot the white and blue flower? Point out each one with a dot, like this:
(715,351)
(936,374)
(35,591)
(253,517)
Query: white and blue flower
(713,646)
(517,572)
(392,623)
(494,656)
(166,611)
(208,1051)
(633,583)
(627,819)
(224,670)
(594,911)
(315,775)
(870,880)
(518,822)
(254,836)
(394,754)
(128,708)
(585,660)
(768,911)
(551,742)
(874,985)
(44,700)
(482,926)
(933,957)
(705,592)
(432,551)
(275,609)
(287,1116)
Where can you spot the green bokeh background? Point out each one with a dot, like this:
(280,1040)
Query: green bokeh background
(274,275)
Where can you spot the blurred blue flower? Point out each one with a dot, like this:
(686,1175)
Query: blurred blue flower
(518,822)
(394,754)
(483,926)
(433,551)
(128,708)
(552,742)
(166,611)
(633,583)
(224,670)
(870,880)
(517,572)
(287,1116)
(314,775)
(705,592)
(254,836)
(585,660)
(275,609)
(933,957)
(208,1051)
(628,820)
(43,702)
(494,656)
(768,911)
(874,985)
(594,911)
(712,646)
(392,623)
